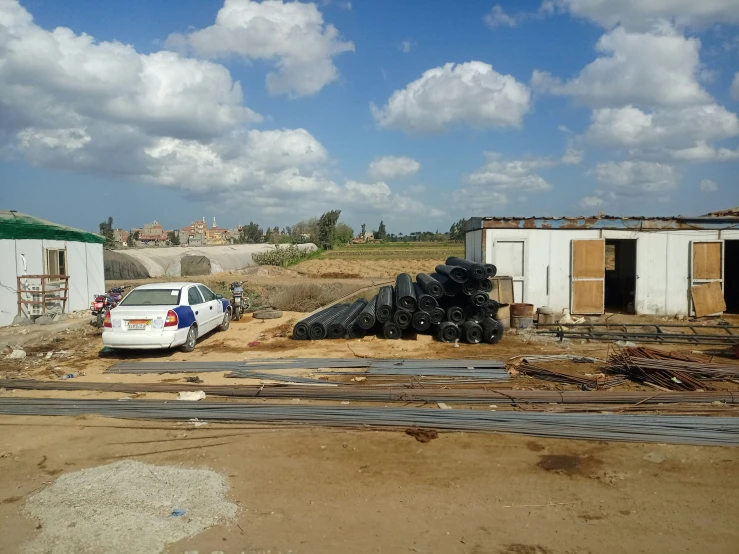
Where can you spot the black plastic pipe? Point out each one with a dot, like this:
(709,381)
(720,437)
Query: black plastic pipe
(471,332)
(447,332)
(421,321)
(430,285)
(425,302)
(367,318)
(384,310)
(437,315)
(475,270)
(405,295)
(391,331)
(455,273)
(492,331)
(455,314)
(403,318)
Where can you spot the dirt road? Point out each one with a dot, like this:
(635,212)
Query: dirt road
(321,491)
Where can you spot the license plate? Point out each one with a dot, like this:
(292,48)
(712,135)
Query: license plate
(137,325)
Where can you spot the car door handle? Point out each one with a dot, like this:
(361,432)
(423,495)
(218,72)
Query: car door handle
(196,313)
(211,307)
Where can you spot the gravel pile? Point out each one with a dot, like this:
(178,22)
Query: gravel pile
(127,507)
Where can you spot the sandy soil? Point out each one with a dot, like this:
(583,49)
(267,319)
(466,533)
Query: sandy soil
(321,491)
(328,268)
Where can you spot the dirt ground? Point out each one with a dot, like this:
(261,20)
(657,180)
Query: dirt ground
(322,491)
(311,490)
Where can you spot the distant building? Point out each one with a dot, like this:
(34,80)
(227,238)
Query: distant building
(199,232)
(152,233)
(120,236)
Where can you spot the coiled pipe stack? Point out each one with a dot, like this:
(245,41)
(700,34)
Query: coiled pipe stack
(452,304)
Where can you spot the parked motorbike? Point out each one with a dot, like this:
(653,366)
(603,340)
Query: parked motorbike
(105,302)
(239,302)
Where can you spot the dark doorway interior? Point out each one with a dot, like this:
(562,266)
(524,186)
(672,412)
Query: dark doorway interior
(731,276)
(620,285)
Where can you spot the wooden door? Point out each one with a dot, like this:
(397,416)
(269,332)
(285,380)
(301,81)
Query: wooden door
(707,277)
(588,272)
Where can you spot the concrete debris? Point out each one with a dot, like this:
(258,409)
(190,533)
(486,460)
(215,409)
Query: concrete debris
(443,406)
(626,344)
(22,320)
(16,355)
(193,396)
(96,510)
(44,320)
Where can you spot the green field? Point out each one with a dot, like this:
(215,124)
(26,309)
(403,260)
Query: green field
(396,250)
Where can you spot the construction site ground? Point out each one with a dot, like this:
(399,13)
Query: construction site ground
(319,490)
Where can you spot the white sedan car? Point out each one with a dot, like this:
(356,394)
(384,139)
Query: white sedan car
(165,315)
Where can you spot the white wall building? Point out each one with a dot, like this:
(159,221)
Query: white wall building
(32,246)
(597,264)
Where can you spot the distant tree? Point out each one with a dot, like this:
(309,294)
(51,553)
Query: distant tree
(305,231)
(174,238)
(327,229)
(251,234)
(364,229)
(456,231)
(343,234)
(106,229)
(381,232)
(130,241)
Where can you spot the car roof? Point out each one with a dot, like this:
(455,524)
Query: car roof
(165,286)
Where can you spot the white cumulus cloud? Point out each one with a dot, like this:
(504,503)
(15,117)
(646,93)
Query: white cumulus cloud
(707,185)
(637,13)
(518,175)
(390,167)
(637,178)
(497,17)
(471,93)
(655,68)
(590,202)
(293,35)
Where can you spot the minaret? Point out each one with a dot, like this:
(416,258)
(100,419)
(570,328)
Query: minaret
(214,222)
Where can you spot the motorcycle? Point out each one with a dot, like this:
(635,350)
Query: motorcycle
(105,302)
(239,302)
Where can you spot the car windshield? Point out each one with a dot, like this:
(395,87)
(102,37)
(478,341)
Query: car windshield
(152,297)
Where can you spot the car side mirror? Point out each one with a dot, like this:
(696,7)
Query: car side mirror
(219,297)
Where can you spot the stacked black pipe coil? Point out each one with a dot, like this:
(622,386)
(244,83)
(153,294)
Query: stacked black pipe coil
(452,304)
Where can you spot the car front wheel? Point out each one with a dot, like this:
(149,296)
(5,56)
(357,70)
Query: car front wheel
(192,337)
(226,321)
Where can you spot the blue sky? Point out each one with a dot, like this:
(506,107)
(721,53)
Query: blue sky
(415,113)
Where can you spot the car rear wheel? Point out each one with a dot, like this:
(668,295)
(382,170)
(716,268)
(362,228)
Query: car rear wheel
(192,337)
(226,321)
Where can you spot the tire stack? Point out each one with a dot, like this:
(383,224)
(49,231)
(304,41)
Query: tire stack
(451,304)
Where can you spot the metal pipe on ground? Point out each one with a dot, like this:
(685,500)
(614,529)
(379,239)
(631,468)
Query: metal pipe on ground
(430,285)
(405,295)
(384,311)
(674,429)
(475,270)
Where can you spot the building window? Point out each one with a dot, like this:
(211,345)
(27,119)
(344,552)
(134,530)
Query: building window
(56,262)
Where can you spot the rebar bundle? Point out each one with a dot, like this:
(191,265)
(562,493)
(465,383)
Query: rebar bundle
(675,429)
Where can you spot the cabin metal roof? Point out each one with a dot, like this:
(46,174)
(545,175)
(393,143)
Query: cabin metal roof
(635,223)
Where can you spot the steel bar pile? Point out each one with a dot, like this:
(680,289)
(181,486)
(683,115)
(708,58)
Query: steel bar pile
(716,431)
(668,371)
(586,383)
(483,396)
(452,304)
(723,335)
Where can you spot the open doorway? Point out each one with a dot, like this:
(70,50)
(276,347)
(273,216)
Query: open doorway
(731,276)
(620,281)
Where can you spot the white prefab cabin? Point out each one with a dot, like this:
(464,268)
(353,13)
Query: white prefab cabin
(49,259)
(593,265)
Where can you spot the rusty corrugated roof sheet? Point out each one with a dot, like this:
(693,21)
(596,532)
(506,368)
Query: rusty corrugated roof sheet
(731,212)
